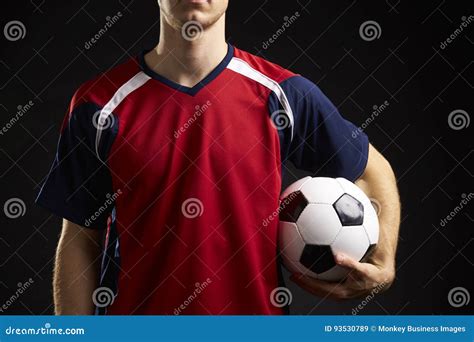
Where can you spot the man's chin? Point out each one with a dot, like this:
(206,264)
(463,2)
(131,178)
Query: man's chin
(195,15)
(203,19)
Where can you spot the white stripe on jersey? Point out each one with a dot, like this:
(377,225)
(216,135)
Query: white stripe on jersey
(240,66)
(128,87)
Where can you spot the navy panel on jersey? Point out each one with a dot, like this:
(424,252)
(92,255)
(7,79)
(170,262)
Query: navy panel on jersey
(79,184)
(110,268)
(323,141)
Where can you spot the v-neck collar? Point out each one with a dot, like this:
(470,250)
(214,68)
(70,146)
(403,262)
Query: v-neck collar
(179,87)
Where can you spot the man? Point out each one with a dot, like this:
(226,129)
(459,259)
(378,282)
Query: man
(178,155)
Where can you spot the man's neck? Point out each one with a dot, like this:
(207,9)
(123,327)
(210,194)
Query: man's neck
(188,61)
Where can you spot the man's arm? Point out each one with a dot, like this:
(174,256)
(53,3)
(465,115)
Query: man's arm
(379,183)
(76,272)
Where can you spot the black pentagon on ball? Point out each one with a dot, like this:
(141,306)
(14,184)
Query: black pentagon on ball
(368,252)
(292,206)
(349,210)
(318,259)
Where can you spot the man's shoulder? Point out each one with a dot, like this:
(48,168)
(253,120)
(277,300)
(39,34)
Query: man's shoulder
(265,67)
(292,84)
(102,87)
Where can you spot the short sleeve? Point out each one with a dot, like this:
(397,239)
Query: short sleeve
(320,140)
(79,186)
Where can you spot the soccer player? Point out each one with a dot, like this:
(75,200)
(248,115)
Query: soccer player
(178,155)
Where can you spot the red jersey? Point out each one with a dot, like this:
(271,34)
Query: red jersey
(186,180)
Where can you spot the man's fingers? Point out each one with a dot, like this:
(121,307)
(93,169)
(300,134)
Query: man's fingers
(352,264)
(320,288)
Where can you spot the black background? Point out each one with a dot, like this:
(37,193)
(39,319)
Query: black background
(405,66)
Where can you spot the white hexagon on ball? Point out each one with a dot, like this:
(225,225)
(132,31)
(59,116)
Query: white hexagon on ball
(294,243)
(322,190)
(318,224)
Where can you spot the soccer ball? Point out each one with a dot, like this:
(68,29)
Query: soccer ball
(320,217)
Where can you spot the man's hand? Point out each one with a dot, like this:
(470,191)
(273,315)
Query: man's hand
(363,279)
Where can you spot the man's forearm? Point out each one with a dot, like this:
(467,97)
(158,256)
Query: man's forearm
(379,183)
(76,270)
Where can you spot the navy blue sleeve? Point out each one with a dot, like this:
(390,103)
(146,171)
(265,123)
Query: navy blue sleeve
(320,140)
(79,186)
